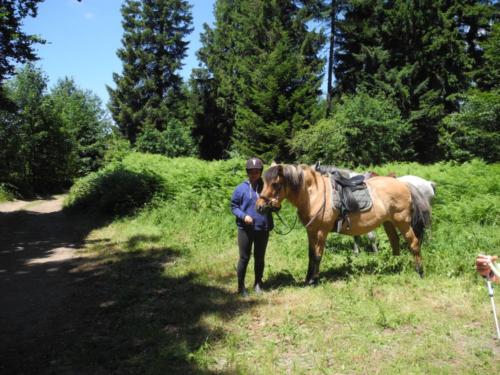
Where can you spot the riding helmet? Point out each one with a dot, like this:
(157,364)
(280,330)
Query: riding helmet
(254,163)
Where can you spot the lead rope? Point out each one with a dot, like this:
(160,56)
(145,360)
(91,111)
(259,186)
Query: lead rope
(321,209)
(286,225)
(283,222)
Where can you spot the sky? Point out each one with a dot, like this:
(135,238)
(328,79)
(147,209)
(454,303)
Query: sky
(83,38)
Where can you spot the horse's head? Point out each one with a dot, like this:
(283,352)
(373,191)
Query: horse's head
(274,190)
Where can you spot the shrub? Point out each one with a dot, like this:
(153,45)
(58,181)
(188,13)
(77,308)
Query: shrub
(363,130)
(123,186)
(174,141)
(475,130)
(7,192)
(114,190)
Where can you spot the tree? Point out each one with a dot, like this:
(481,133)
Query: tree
(209,129)
(475,20)
(363,130)
(264,63)
(15,45)
(474,132)
(148,92)
(41,147)
(488,74)
(413,52)
(85,121)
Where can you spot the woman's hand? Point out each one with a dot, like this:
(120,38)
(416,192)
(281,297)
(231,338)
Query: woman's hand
(248,220)
(483,266)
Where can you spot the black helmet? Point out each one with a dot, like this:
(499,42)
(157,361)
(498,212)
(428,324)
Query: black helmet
(254,163)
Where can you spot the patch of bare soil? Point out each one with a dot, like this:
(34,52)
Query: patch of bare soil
(39,246)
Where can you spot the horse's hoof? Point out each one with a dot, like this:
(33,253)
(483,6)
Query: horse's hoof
(420,272)
(312,282)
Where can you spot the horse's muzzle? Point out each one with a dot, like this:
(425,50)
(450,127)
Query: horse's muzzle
(266,205)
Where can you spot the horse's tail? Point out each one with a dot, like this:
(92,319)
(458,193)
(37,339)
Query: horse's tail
(421,213)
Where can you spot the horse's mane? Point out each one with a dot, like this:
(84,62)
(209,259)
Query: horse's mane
(294,175)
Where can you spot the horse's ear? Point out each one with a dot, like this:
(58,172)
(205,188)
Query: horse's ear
(273,163)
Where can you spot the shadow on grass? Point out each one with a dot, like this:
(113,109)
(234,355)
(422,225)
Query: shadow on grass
(352,265)
(281,280)
(372,265)
(133,318)
(119,312)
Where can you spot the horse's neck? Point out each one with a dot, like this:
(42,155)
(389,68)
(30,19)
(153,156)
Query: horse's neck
(307,194)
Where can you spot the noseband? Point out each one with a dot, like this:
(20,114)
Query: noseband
(273,203)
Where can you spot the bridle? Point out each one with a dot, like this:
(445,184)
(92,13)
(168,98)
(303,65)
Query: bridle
(270,201)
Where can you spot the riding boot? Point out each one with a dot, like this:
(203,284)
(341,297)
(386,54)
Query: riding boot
(258,287)
(241,283)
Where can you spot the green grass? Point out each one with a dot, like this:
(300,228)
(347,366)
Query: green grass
(6,193)
(169,273)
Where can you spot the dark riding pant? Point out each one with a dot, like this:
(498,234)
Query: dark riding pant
(247,237)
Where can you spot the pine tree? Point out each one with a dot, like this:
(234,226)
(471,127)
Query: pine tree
(148,92)
(412,51)
(265,64)
(215,87)
(209,129)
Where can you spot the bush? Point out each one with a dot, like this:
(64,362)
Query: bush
(363,130)
(475,130)
(7,192)
(113,190)
(122,187)
(175,141)
(117,148)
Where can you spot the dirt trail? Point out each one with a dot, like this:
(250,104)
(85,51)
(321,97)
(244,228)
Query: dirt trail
(38,254)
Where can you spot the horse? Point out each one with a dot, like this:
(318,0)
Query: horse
(394,205)
(425,187)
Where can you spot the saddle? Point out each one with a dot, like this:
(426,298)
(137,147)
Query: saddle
(349,195)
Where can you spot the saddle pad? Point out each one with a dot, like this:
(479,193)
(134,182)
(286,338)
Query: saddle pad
(362,196)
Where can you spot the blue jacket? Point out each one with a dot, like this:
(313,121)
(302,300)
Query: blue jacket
(243,203)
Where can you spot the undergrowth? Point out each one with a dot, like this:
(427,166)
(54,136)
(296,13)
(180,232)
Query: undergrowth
(371,313)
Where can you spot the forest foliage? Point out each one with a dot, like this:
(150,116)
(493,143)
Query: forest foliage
(172,189)
(413,81)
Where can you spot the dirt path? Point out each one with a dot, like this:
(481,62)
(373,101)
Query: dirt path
(38,254)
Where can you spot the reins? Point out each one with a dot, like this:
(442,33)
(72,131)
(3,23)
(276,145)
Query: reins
(321,210)
(291,228)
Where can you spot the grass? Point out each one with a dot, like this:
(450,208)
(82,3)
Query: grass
(6,193)
(167,282)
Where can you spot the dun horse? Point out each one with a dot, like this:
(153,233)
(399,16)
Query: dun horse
(426,188)
(394,204)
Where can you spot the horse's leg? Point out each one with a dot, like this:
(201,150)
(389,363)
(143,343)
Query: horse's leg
(310,268)
(413,243)
(357,244)
(372,236)
(316,247)
(390,230)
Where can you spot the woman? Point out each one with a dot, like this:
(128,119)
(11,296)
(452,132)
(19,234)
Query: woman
(253,227)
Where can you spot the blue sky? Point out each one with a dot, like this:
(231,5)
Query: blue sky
(83,37)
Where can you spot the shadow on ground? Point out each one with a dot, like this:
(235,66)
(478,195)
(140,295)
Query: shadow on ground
(114,313)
